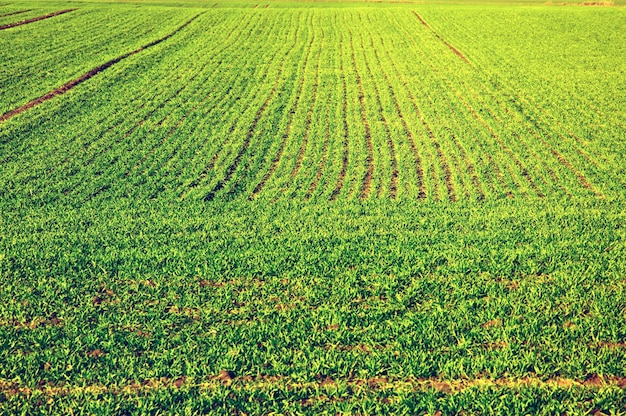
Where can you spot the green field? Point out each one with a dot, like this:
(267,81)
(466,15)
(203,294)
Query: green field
(312,207)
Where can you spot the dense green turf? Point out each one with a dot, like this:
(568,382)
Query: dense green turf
(309,208)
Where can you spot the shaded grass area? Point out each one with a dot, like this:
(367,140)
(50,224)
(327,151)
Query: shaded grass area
(116,294)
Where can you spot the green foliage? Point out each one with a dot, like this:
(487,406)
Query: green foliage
(313,209)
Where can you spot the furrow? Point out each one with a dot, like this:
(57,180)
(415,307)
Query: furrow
(309,115)
(344,110)
(290,119)
(438,36)
(190,86)
(419,170)
(15,13)
(34,19)
(393,183)
(250,133)
(75,82)
(369,173)
(163,104)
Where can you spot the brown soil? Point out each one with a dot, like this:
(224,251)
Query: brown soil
(438,36)
(35,19)
(14,13)
(75,82)
(230,171)
(287,133)
(346,150)
(418,161)
(393,185)
(367,179)
(307,132)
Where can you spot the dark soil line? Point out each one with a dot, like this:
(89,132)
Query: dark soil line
(438,36)
(35,19)
(179,122)
(447,172)
(393,184)
(320,168)
(75,82)
(345,144)
(86,146)
(287,132)
(325,146)
(418,161)
(177,150)
(14,13)
(263,147)
(506,148)
(416,156)
(471,169)
(577,139)
(307,122)
(551,173)
(141,122)
(445,166)
(369,174)
(582,180)
(230,171)
(194,183)
(443,162)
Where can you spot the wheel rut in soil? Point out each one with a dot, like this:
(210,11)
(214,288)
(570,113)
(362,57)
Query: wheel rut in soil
(88,75)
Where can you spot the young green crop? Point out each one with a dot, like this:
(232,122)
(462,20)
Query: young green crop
(313,208)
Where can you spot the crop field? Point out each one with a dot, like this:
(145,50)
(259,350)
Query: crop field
(312,207)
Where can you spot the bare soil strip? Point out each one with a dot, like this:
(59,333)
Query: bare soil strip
(582,179)
(287,132)
(345,143)
(75,82)
(418,160)
(438,36)
(230,171)
(209,167)
(369,174)
(14,13)
(307,128)
(393,184)
(226,379)
(35,19)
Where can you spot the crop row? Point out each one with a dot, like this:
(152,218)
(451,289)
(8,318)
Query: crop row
(312,104)
(40,57)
